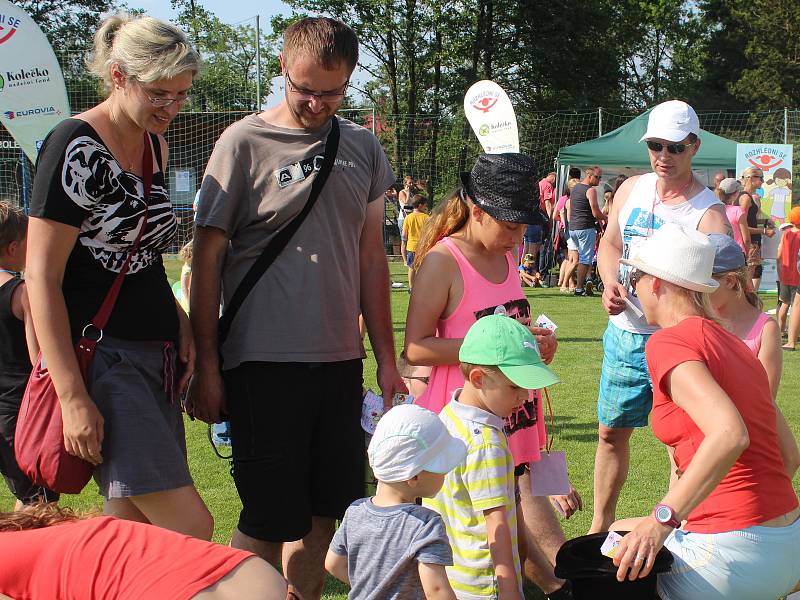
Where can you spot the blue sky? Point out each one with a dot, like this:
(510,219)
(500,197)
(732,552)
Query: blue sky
(235,11)
(230,11)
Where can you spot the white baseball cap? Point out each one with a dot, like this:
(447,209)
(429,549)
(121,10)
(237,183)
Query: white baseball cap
(679,255)
(672,120)
(410,439)
(730,185)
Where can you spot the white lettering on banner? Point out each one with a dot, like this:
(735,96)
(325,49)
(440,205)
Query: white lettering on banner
(491,115)
(33,97)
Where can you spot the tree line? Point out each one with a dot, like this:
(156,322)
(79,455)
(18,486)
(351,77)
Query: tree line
(422,55)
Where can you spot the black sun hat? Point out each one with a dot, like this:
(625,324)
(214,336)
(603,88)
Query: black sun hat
(504,185)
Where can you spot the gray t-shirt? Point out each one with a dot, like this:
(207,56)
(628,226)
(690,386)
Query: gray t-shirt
(383,546)
(305,308)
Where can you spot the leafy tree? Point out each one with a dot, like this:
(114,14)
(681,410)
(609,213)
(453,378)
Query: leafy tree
(228,79)
(67,23)
(771,77)
(663,50)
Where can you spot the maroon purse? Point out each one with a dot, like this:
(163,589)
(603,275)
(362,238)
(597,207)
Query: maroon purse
(39,438)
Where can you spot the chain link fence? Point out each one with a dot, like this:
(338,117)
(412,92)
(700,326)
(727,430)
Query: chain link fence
(429,148)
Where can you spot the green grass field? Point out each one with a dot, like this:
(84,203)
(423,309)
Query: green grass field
(581,323)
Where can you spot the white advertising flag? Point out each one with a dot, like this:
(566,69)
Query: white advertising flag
(33,98)
(492,117)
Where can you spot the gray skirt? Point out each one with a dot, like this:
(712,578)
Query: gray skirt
(144,444)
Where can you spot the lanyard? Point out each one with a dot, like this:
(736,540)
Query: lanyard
(14,273)
(550,434)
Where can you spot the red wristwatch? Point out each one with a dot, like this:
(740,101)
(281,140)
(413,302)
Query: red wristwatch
(666,516)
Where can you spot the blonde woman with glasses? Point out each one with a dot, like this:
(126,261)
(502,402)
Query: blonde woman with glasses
(730,516)
(90,212)
(758,224)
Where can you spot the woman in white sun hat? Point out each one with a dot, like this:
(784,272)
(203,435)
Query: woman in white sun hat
(730,516)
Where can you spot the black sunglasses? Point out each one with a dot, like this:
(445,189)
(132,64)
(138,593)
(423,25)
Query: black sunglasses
(671,148)
(635,276)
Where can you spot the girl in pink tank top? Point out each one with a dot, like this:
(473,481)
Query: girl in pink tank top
(466,270)
(739,309)
(735,213)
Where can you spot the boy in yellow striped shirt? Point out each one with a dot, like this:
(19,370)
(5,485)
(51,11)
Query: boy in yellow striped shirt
(500,361)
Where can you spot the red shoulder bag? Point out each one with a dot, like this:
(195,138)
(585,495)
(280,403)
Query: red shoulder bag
(39,438)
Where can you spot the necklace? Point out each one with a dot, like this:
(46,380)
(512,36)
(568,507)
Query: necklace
(128,164)
(681,192)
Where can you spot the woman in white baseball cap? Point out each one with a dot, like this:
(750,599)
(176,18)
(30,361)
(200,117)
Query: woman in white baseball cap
(730,500)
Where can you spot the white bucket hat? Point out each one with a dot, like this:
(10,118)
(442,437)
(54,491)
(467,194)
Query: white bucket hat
(410,439)
(681,256)
(672,121)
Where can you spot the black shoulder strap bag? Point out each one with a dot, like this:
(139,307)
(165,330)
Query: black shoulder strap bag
(281,239)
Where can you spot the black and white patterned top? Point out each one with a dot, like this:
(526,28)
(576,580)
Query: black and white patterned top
(78,182)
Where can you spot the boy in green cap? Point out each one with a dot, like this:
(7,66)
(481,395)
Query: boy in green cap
(500,362)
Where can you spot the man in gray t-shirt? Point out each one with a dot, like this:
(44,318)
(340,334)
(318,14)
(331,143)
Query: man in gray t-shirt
(293,358)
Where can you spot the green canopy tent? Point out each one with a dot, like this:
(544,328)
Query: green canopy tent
(621,148)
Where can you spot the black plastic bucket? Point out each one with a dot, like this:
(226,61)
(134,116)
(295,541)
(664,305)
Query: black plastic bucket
(594,576)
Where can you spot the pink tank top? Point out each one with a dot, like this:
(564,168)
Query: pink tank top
(481,297)
(753,338)
(734,213)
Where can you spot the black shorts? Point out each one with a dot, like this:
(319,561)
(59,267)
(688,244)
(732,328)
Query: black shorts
(297,442)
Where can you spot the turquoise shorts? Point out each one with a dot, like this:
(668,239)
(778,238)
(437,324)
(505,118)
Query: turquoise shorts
(756,563)
(626,395)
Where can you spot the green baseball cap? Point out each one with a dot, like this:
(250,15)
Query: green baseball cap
(502,342)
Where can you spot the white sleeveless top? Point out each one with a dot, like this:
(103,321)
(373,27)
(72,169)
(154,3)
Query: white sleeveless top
(642,214)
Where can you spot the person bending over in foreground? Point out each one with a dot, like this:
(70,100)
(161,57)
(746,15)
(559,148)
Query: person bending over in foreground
(51,553)
(730,501)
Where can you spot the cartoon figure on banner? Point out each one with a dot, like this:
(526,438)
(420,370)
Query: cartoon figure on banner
(778,195)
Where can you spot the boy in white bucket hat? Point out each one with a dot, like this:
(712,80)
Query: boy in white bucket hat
(387,546)
(643,203)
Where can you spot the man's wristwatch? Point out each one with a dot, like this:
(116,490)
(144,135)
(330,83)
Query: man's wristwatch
(666,516)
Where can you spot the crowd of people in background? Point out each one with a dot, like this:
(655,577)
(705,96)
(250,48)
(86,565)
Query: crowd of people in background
(456,513)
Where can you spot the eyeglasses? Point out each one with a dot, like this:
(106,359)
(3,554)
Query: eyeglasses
(671,148)
(305,94)
(162,101)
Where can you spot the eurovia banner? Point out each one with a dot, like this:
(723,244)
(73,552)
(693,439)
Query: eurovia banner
(491,115)
(33,97)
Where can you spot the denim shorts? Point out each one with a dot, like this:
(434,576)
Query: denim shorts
(747,564)
(626,394)
(533,234)
(571,244)
(585,239)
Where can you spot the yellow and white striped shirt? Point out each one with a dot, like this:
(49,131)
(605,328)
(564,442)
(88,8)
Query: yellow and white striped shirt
(485,480)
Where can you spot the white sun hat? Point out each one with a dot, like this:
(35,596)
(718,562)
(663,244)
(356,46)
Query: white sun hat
(410,439)
(679,255)
(672,120)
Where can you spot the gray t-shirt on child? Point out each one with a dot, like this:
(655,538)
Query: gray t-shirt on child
(305,307)
(383,546)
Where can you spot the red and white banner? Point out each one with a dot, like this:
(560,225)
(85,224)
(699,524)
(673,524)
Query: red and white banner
(33,97)
(492,117)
